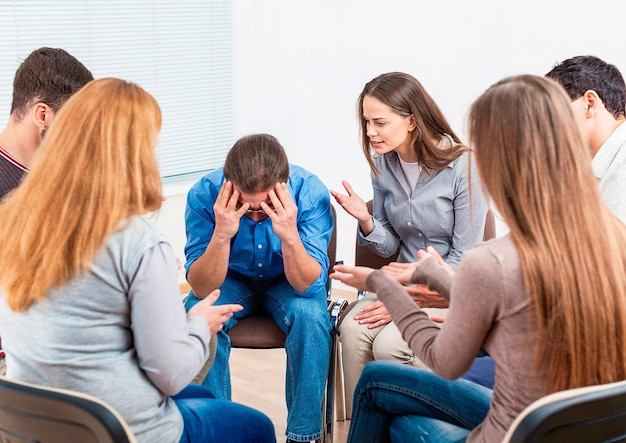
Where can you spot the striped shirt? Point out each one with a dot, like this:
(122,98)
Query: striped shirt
(11,172)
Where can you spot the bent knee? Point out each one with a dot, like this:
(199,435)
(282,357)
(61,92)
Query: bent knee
(351,331)
(384,350)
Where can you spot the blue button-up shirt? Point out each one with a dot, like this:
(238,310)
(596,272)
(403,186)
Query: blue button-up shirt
(255,251)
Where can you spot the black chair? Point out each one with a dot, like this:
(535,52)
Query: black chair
(33,413)
(593,414)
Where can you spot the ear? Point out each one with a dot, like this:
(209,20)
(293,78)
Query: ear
(412,124)
(42,115)
(592,102)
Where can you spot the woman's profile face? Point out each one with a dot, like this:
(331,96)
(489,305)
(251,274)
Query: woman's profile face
(387,130)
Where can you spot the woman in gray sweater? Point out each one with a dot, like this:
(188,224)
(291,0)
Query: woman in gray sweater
(89,298)
(522,297)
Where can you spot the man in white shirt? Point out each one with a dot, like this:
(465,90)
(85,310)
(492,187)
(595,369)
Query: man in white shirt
(598,93)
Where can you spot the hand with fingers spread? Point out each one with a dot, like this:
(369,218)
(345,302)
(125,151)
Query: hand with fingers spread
(355,206)
(432,251)
(284,214)
(425,298)
(355,276)
(403,272)
(373,315)
(227,215)
(400,271)
(215,316)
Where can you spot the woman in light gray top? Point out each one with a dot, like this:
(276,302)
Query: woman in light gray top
(89,298)
(522,297)
(421,182)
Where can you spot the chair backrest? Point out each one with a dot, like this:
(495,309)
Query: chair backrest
(592,414)
(363,256)
(32,413)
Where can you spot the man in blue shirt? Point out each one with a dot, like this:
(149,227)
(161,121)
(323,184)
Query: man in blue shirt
(259,229)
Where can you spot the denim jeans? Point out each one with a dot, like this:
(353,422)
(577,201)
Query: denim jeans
(207,419)
(306,323)
(483,371)
(398,403)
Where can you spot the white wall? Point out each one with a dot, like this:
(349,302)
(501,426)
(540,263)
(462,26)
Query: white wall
(299,67)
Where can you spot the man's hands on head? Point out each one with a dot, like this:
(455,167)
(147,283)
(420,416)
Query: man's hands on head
(284,214)
(227,215)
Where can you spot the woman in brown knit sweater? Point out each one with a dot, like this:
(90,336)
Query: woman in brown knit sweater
(523,297)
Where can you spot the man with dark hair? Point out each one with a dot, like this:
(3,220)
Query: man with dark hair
(43,82)
(598,93)
(259,229)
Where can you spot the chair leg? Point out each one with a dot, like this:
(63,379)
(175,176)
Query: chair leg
(336,392)
(335,308)
(328,403)
(340,390)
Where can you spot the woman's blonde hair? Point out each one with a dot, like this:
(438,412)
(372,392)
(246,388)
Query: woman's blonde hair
(95,168)
(534,165)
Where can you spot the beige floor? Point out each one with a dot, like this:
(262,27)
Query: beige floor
(258,380)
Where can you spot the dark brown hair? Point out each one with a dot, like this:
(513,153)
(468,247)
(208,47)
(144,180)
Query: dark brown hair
(586,72)
(256,163)
(47,75)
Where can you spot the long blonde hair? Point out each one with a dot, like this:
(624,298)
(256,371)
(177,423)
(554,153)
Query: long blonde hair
(95,168)
(534,165)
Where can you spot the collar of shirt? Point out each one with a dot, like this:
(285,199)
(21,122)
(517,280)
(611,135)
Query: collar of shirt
(608,151)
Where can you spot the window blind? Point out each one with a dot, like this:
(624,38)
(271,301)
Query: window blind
(179,51)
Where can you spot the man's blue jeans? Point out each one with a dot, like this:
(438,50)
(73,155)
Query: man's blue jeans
(207,419)
(398,403)
(306,323)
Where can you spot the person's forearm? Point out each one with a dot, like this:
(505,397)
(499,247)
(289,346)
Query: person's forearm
(208,272)
(366,226)
(301,269)
(436,277)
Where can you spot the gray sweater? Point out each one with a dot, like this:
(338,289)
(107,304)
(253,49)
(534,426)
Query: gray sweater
(119,332)
(488,307)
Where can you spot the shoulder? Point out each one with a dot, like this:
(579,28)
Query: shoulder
(138,231)
(304,182)
(462,163)
(208,185)
(387,160)
(128,244)
(212,178)
(490,258)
